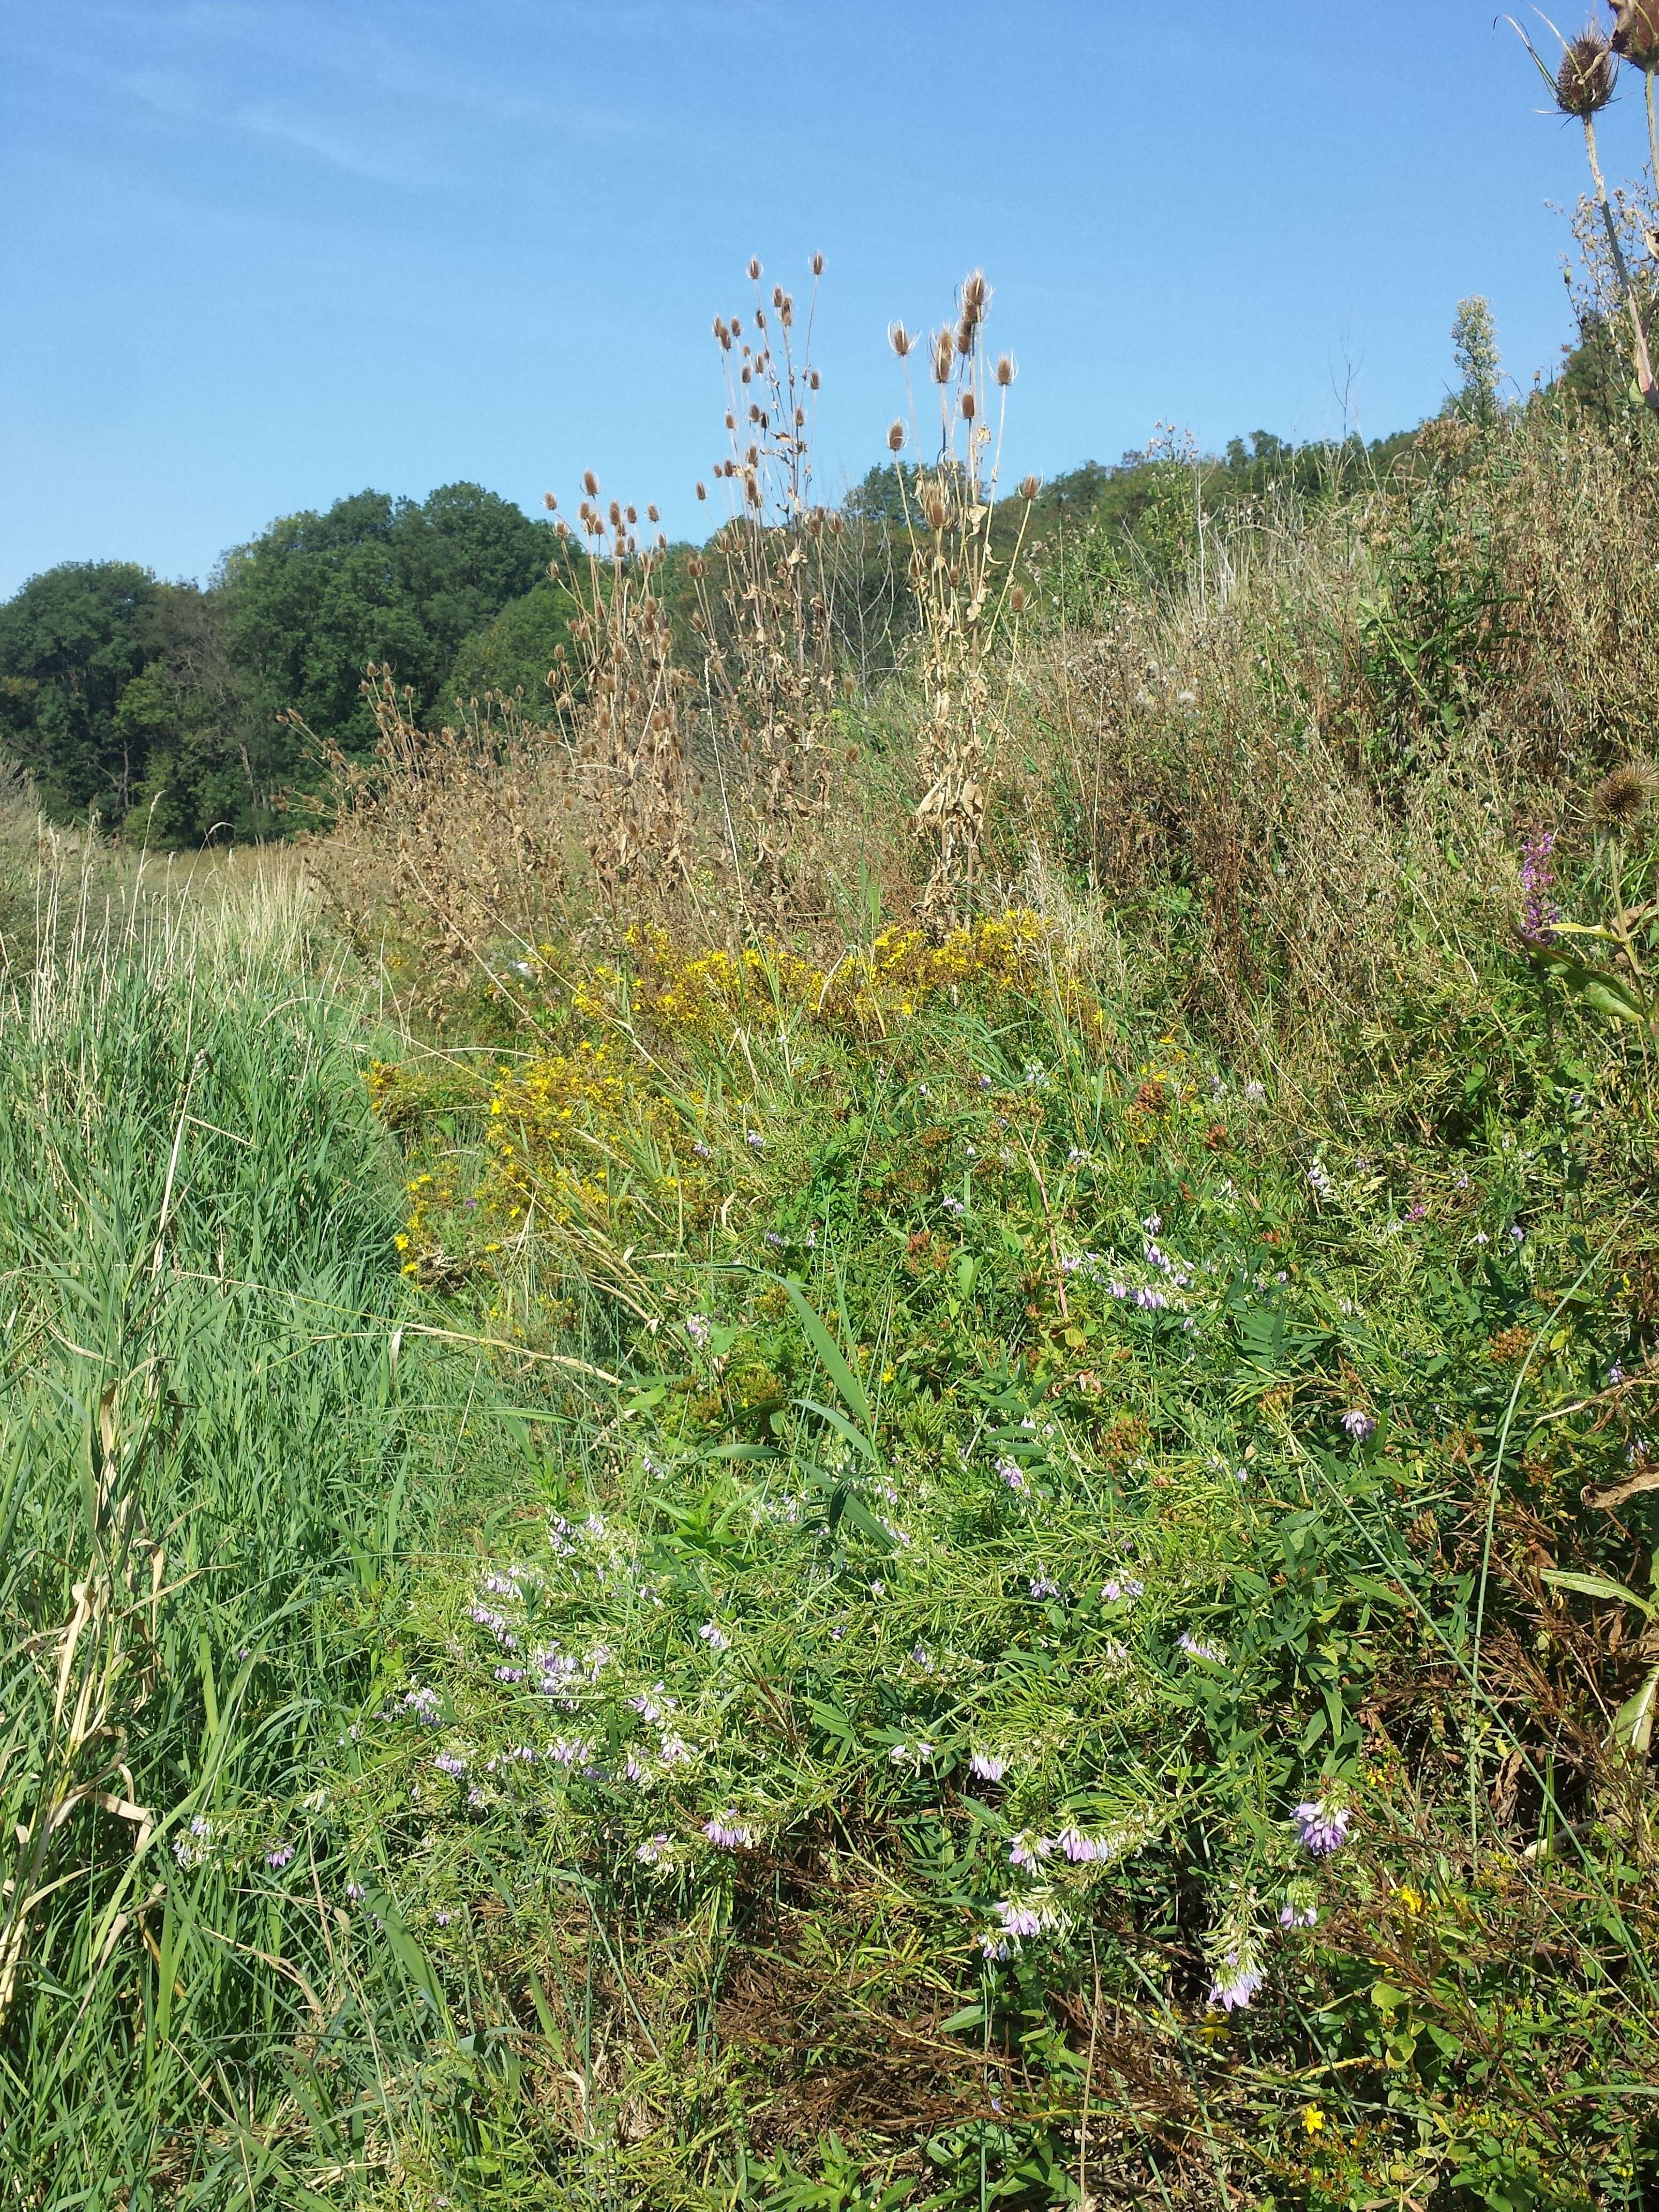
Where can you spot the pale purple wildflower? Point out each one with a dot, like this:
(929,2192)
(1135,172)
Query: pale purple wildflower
(1358,1424)
(1009,1471)
(1235,1984)
(715,1637)
(1028,1850)
(1298,1916)
(279,1853)
(1323,1829)
(1127,1590)
(754,1139)
(697,1328)
(988,1766)
(1194,1650)
(725,1833)
(450,1762)
(650,1853)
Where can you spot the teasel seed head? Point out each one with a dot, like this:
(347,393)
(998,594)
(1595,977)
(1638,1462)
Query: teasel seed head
(800,418)
(943,351)
(1017,599)
(813,382)
(633,514)
(899,339)
(549,502)
(1635,32)
(969,406)
(1623,798)
(754,270)
(760,319)
(975,296)
(1584,83)
(786,312)
(1028,487)
(702,491)
(652,515)
(590,483)
(1007,369)
(896,439)
(777,295)
(933,507)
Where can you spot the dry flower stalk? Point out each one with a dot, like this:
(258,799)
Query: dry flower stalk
(963,600)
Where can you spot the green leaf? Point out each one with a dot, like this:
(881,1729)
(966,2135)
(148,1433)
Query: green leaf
(840,1424)
(1604,993)
(1632,1724)
(835,1362)
(1598,1586)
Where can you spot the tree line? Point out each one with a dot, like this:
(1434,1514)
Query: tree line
(181,713)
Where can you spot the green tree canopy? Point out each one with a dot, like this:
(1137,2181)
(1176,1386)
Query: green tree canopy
(316,598)
(70,642)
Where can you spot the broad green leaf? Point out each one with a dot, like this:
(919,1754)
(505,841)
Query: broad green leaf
(1597,1586)
(1632,1724)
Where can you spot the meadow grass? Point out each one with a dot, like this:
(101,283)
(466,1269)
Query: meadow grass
(676,1538)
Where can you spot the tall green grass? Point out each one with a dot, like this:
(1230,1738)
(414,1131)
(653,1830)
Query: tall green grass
(209,1488)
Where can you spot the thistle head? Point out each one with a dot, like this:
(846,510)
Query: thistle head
(1584,82)
(1623,798)
(1635,32)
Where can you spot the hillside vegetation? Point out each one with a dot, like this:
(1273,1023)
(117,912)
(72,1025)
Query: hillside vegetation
(858,1418)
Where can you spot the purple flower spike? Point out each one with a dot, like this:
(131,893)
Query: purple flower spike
(1358,1424)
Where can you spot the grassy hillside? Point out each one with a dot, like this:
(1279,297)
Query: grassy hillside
(848,1436)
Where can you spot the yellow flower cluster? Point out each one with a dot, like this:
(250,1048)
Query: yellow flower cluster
(563,1136)
(865,994)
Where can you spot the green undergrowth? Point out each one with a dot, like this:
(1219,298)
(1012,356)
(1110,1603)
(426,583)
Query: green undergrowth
(933,1597)
(1040,1677)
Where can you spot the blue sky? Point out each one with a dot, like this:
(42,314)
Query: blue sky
(258,254)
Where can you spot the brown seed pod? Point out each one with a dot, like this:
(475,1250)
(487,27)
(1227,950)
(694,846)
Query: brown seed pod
(1584,82)
(818,265)
(1017,599)
(1623,798)
(754,271)
(1007,369)
(590,483)
(899,339)
(896,439)
(933,507)
(702,491)
(652,514)
(976,295)
(1636,32)
(1028,487)
(968,406)
(549,501)
(943,351)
